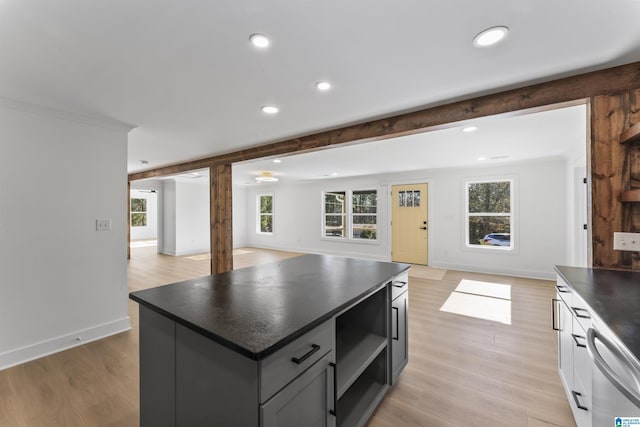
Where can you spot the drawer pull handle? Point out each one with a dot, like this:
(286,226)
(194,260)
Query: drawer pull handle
(554,321)
(562,289)
(334,411)
(398,284)
(575,338)
(576,310)
(314,348)
(397,331)
(576,397)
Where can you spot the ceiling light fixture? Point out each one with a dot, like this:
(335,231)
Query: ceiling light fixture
(269,109)
(277,161)
(323,86)
(259,40)
(266,177)
(482,159)
(490,36)
(470,129)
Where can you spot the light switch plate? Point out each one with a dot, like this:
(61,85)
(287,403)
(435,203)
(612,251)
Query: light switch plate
(626,241)
(103,225)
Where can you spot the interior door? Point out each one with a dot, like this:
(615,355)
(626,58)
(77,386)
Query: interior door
(409,228)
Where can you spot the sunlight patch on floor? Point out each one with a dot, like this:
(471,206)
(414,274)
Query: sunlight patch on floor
(482,300)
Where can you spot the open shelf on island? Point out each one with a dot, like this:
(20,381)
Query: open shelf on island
(359,401)
(359,348)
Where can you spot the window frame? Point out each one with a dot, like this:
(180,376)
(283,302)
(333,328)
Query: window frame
(260,214)
(348,216)
(132,212)
(512,214)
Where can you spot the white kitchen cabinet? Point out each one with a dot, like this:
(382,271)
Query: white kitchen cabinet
(573,361)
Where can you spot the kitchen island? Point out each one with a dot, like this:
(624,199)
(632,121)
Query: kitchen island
(311,340)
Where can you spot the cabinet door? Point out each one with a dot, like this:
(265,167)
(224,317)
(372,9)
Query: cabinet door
(399,341)
(565,345)
(304,402)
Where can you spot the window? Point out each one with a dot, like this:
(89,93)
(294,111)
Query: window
(335,214)
(265,214)
(138,212)
(489,210)
(351,214)
(364,208)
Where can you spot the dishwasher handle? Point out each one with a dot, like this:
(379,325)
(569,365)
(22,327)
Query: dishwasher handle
(598,360)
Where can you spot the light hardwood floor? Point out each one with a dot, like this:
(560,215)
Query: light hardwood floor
(462,371)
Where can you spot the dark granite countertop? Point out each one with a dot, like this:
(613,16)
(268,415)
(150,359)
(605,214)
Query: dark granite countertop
(614,296)
(258,310)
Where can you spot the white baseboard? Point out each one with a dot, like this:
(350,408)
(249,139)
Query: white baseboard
(316,251)
(515,272)
(64,342)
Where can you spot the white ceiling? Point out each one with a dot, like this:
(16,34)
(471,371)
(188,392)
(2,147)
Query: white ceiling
(184,73)
(498,140)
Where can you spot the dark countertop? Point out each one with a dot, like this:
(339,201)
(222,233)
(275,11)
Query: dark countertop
(258,310)
(614,296)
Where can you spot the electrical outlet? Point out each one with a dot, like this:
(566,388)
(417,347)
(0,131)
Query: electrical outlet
(626,241)
(103,225)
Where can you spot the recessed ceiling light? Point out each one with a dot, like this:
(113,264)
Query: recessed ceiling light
(269,109)
(490,36)
(482,158)
(470,129)
(277,161)
(323,86)
(266,177)
(334,174)
(259,40)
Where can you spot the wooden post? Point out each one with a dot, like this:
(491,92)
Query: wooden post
(221,213)
(614,169)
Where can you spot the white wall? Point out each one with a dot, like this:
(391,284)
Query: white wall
(150,231)
(298,219)
(192,218)
(62,282)
(240,206)
(541,212)
(185,217)
(169,217)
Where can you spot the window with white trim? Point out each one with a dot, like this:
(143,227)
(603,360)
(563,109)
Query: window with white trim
(350,215)
(489,214)
(138,212)
(264,203)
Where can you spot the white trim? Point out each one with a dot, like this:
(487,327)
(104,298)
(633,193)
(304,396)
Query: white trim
(513,219)
(515,272)
(64,342)
(348,194)
(317,251)
(259,214)
(66,115)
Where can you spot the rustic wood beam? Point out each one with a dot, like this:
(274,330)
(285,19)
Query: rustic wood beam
(567,89)
(221,213)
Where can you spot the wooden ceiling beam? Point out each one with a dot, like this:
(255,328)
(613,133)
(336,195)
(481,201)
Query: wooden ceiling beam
(568,89)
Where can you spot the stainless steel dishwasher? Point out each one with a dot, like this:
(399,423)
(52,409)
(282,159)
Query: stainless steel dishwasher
(615,380)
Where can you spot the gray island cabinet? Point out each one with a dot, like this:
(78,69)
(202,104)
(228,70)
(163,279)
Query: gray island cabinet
(309,341)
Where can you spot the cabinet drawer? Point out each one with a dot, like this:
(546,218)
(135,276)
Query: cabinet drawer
(399,285)
(581,312)
(564,291)
(283,366)
(581,361)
